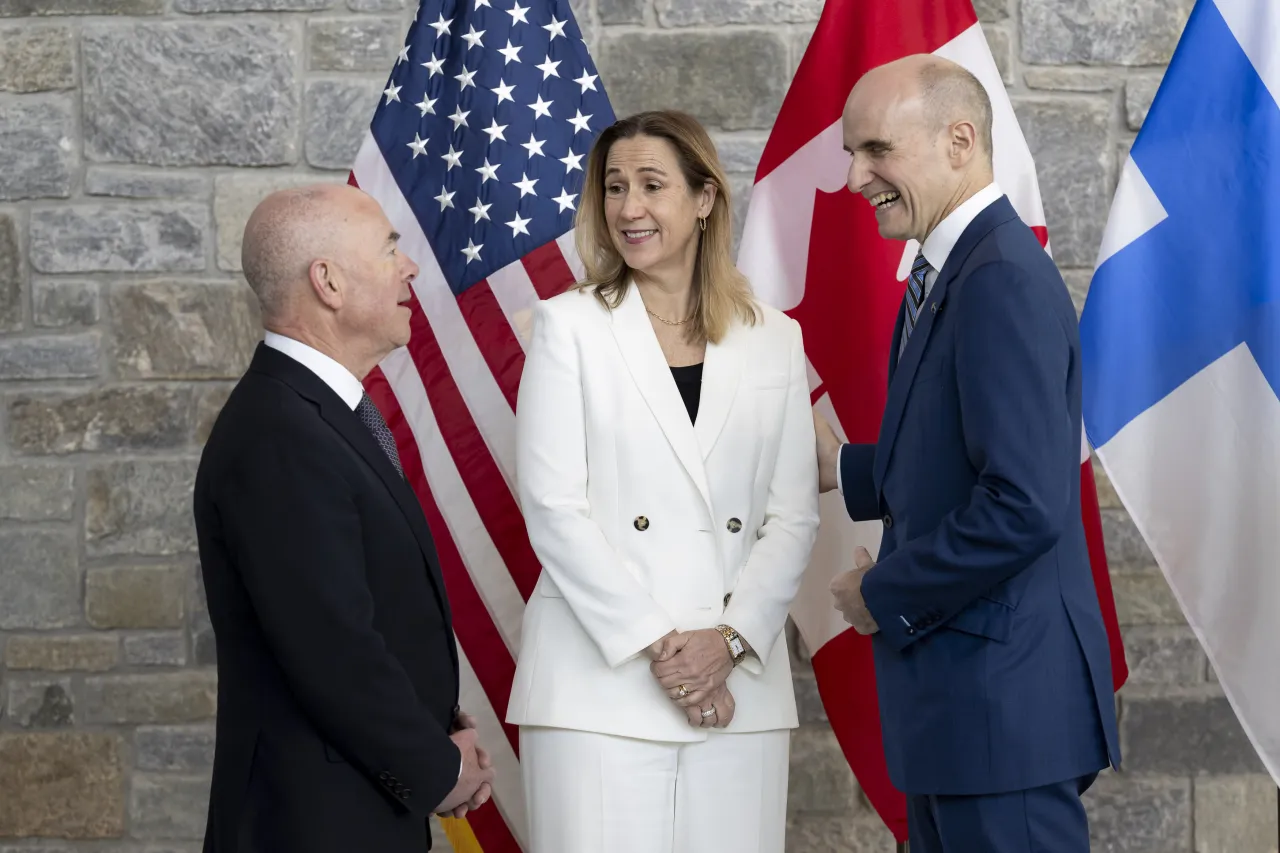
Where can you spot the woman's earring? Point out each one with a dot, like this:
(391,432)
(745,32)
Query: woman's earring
(702,222)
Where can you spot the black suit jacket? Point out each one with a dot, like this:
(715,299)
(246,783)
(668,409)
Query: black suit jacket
(337,670)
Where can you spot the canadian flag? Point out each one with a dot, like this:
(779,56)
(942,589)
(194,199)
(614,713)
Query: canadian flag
(811,248)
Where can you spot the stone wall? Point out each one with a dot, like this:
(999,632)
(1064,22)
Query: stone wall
(135,136)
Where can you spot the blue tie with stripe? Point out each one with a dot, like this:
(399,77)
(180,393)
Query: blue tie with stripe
(915,297)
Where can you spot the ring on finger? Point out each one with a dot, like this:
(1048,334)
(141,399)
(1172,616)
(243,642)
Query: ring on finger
(682,691)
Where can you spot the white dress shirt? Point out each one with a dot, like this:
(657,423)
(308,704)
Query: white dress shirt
(937,248)
(337,377)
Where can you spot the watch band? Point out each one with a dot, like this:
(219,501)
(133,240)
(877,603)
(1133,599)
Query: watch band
(737,649)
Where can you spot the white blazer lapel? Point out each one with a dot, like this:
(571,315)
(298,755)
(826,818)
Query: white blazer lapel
(721,372)
(652,375)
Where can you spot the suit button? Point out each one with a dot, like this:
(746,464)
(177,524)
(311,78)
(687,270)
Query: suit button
(888,520)
(384,775)
(641,523)
(734,525)
(727,596)
(404,795)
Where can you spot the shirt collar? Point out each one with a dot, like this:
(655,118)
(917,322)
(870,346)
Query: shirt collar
(938,245)
(333,374)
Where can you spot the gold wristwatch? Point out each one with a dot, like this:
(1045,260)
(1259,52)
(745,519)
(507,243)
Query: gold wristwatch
(737,649)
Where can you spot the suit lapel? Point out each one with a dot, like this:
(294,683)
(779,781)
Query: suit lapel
(344,421)
(902,371)
(721,372)
(649,369)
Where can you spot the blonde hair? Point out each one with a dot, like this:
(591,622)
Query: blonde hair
(720,291)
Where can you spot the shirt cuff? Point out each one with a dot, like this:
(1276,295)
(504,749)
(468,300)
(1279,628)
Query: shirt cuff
(839,478)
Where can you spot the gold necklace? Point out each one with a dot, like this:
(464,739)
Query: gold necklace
(664,320)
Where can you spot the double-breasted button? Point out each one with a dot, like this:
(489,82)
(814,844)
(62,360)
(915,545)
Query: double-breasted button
(888,520)
(384,776)
(734,525)
(641,523)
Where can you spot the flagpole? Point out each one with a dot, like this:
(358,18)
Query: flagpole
(905,846)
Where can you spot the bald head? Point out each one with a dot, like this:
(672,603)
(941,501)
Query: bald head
(287,231)
(944,91)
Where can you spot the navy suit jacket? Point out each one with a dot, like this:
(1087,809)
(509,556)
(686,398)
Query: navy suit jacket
(992,662)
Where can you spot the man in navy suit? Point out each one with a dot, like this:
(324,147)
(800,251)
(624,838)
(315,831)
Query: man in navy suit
(992,662)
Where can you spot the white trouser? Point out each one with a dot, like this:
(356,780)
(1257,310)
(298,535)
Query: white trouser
(594,793)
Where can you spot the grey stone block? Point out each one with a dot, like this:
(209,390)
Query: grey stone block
(140,508)
(1132,814)
(30,8)
(1100,32)
(682,13)
(1145,599)
(1235,814)
(1001,45)
(1072,79)
(728,80)
(183,749)
(170,697)
(112,237)
(1159,655)
(1068,140)
(135,597)
(41,703)
(36,149)
(184,94)
(1184,733)
(820,779)
(169,807)
(622,11)
(37,492)
(1126,549)
(62,652)
(10,276)
(58,304)
(991,10)
(189,330)
(378,5)
(37,58)
(124,182)
(202,6)
(338,115)
(355,44)
(135,417)
(49,357)
(39,580)
(155,650)
(739,152)
(825,834)
(1139,92)
(61,785)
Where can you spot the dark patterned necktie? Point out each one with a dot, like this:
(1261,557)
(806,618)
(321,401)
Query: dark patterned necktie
(372,418)
(915,297)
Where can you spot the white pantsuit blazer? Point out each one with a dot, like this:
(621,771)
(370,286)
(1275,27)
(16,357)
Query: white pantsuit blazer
(645,523)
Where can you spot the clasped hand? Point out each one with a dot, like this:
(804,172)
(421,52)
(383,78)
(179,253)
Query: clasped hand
(692,668)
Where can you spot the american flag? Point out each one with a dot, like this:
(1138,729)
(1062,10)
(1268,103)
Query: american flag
(475,152)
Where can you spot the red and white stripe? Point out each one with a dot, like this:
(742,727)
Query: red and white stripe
(449,398)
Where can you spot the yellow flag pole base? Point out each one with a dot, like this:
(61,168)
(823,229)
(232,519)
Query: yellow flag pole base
(460,836)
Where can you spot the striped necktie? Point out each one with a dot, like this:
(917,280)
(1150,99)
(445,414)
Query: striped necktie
(915,296)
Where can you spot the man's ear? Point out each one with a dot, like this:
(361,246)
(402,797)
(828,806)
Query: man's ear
(326,282)
(963,142)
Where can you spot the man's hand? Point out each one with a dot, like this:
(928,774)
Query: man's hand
(700,666)
(475,783)
(485,791)
(828,453)
(847,589)
(722,701)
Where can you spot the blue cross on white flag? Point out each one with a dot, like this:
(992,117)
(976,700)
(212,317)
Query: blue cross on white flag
(1181,339)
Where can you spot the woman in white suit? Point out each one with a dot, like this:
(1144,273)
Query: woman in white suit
(667,476)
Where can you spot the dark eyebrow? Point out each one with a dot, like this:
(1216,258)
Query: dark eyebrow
(393,237)
(876,146)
